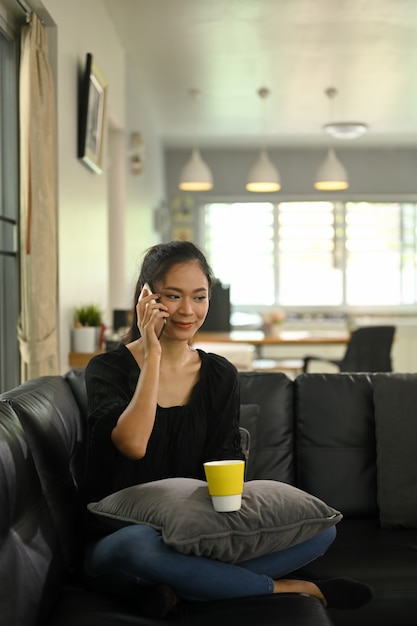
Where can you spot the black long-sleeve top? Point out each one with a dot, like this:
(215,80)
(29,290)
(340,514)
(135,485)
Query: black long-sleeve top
(183,437)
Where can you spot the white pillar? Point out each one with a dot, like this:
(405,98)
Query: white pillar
(117,218)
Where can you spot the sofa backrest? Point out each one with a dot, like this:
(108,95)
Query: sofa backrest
(272,455)
(335,441)
(395,398)
(76,382)
(31,564)
(51,420)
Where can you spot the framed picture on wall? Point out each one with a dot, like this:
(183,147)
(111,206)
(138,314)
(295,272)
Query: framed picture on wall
(92,115)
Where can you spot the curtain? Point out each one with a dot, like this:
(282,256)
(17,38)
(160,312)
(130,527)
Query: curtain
(37,325)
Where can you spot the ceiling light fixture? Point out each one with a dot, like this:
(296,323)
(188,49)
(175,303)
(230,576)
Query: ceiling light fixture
(196,174)
(263,176)
(342,130)
(331,175)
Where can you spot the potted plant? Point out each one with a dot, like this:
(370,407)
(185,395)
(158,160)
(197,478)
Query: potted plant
(89,315)
(87,328)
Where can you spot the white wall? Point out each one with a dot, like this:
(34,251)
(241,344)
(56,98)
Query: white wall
(145,192)
(83,27)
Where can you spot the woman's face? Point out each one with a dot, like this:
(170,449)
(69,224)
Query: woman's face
(184,290)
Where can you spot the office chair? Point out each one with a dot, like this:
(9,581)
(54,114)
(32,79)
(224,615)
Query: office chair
(368,350)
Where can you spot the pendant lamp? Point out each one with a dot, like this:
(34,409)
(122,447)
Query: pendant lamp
(331,175)
(342,130)
(196,174)
(263,176)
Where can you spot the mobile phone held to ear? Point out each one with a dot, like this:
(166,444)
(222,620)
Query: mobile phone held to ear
(146,286)
(153,301)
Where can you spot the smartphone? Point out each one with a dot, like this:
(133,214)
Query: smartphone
(153,301)
(146,286)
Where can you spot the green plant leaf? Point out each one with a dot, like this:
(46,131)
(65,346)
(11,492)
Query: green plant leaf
(89,315)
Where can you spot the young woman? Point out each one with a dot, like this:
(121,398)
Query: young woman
(159,408)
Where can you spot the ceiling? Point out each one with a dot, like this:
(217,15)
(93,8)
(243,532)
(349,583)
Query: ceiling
(228,49)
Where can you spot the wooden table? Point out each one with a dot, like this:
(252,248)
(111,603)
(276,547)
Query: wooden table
(79,360)
(289,337)
(258,338)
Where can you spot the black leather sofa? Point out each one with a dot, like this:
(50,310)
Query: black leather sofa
(350,439)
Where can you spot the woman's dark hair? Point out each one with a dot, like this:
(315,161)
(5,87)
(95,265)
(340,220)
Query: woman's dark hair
(157,261)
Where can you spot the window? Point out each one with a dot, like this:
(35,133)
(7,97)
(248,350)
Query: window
(9,262)
(233,240)
(373,248)
(307,267)
(317,254)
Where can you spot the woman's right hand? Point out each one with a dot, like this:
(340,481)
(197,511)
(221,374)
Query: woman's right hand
(134,426)
(151,316)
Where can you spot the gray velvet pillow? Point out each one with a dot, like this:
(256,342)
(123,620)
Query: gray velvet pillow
(273,516)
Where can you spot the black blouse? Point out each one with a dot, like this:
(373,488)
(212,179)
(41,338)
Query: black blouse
(183,437)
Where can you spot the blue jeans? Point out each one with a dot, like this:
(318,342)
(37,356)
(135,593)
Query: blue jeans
(136,555)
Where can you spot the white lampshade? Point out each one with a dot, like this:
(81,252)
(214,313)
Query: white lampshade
(196,174)
(331,175)
(264,176)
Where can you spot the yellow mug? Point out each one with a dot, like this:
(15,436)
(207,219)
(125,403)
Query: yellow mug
(225,484)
